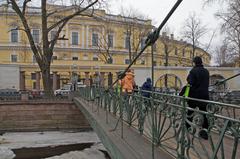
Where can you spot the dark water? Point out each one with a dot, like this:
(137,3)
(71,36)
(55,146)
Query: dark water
(50,151)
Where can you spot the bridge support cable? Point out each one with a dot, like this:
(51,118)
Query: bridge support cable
(220,82)
(151,39)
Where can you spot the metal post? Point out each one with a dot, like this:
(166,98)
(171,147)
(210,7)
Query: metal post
(152,66)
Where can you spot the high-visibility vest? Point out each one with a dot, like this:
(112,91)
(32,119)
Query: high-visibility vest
(187,90)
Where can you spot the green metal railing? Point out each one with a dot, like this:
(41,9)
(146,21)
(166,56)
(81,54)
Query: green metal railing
(164,119)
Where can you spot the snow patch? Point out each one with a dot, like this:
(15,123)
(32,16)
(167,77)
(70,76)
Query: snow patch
(6,153)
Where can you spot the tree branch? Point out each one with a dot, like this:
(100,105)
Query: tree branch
(25,24)
(25,6)
(67,18)
(17,28)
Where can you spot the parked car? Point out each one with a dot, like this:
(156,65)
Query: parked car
(80,85)
(64,91)
(9,94)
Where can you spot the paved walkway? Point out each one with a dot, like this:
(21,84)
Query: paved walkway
(131,146)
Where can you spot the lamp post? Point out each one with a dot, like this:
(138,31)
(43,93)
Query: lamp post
(74,76)
(152,65)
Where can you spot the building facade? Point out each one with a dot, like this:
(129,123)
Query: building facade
(103,43)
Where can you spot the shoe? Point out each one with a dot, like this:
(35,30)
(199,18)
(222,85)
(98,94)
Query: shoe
(203,134)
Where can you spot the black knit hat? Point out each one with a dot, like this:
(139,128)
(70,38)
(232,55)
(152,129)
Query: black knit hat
(197,60)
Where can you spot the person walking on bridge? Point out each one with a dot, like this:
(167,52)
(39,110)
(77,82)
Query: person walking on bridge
(198,79)
(128,82)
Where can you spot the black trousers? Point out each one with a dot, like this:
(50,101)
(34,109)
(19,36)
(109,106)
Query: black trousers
(203,107)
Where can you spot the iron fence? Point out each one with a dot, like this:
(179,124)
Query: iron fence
(170,123)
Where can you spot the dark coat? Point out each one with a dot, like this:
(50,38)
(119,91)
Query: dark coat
(198,79)
(147,86)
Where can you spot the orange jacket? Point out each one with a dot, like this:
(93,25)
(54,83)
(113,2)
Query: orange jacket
(128,82)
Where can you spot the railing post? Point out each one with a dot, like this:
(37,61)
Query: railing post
(183,130)
(153,126)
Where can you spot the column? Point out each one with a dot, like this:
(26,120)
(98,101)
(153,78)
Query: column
(87,80)
(83,30)
(87,29)
(37,80)
(102,82)
(22,80)
(54,81)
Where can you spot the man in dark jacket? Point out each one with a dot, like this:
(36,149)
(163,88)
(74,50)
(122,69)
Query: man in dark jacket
(198,79)
(147,86)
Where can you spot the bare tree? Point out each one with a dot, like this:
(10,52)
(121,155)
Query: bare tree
(52,18)
(221,54)
(105,42)
(231,29)
(193,30)
(136,30)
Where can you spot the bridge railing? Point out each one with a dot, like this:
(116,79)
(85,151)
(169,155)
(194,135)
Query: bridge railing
(168,122)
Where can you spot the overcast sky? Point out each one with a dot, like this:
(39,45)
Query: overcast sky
(158,9)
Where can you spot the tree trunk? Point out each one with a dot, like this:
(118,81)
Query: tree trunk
(47,84)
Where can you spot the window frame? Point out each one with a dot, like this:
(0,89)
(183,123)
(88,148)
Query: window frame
(13,58)
(36,34)
(126,63)
(75,58)
(95,42)
(11,36)
(126,39)
(112,42)
(72,39)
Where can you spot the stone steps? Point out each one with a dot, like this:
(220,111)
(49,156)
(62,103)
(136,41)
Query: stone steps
(41,116)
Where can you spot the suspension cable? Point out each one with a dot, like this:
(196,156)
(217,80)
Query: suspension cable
(151,39)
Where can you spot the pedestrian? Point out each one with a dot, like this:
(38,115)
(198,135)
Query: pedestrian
(147,87)
(198,79)
(128,82)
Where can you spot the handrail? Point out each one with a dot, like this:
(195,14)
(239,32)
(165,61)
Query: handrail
(163,119)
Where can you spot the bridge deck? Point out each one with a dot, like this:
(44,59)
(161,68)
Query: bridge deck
(131,146)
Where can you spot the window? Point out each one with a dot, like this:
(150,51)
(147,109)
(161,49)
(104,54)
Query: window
(85,57)
(34,85)
(94,39)
(33,59)
(127,42)
(14,36)
(110,60)
(33,76)
(154,63)
(191,54)
(142,43)
(75,58)
(110,40)
(74,38)
(14,58)
(35,34)
(183,52)
(54,57)
(176,51)
(127,61)
(154,47)
(53,33)
(95,58)
(142,62)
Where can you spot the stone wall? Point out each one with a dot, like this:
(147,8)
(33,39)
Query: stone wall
(41,116)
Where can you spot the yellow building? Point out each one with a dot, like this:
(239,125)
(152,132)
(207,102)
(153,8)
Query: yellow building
(95,44)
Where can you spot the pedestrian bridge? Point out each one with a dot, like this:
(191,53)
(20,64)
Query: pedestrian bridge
(135,127)
(177,75)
